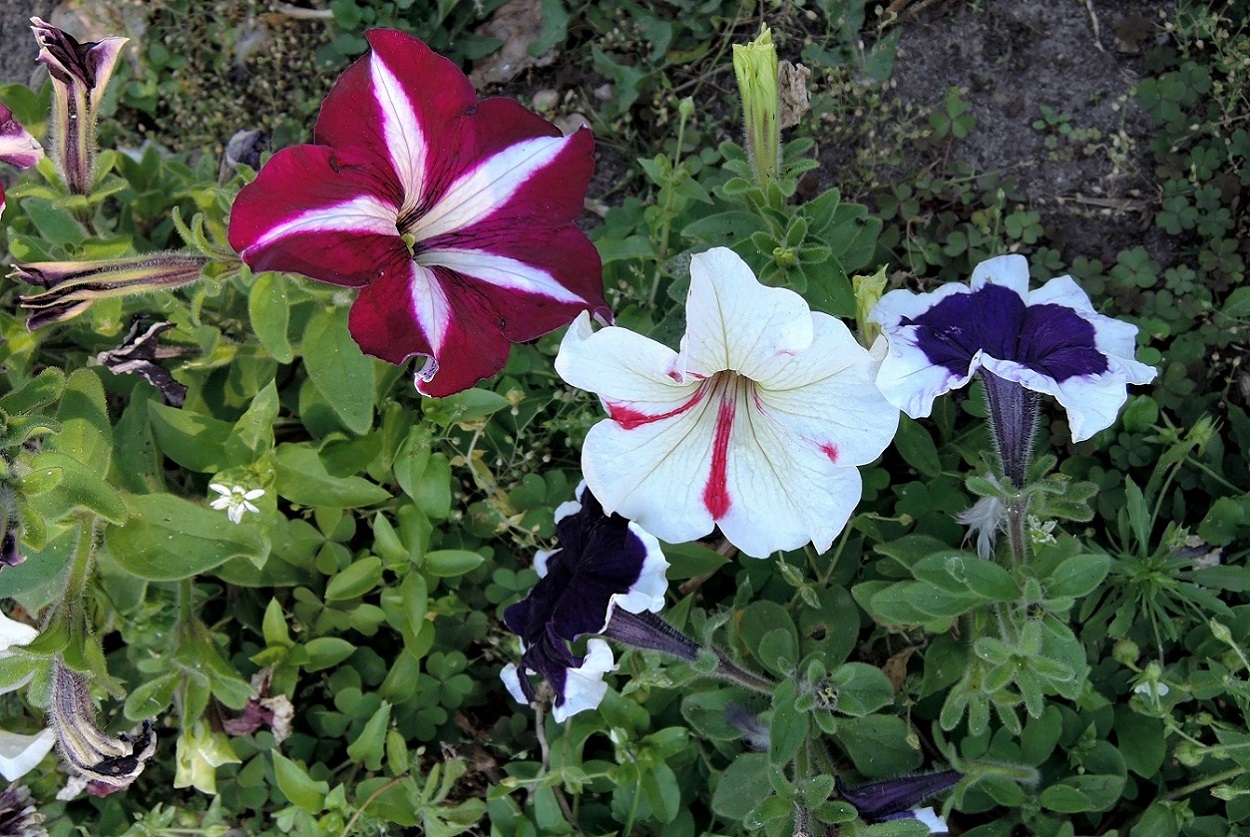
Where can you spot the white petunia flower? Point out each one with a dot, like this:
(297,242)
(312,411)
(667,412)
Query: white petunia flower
(236,500)
(756,425)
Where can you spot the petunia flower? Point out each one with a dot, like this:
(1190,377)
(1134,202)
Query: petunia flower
(18,815)
(95,760)
(605,566)
(236,500)
(897,798)
(17,147)
(756,425)
(80,73)
(454,217)
(1048,341)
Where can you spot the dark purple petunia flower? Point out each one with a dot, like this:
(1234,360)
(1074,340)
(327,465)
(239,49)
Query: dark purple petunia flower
(1049,341)
(607,569)
(454,216)
(896,799)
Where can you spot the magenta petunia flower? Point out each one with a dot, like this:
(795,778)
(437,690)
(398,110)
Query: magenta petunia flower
(455,217)
(17,146)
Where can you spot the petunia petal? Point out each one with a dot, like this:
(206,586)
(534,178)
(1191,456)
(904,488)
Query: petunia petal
(583,687)
(405,101)
(734,322)
(14,633)
(308,212)
(17,146)
(19,754)
(908,378)
(1009,271)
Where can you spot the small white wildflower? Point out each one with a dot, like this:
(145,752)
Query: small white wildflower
(236,500)
(1040,533)
(1151,688)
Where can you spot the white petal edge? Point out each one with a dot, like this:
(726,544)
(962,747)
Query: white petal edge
(511,677)
(930,818)
(485,188)
(429,307)
(1092,402)
(1009,271)
(623,368)
(19,754)
(14,633)
(647,593)
(500,271)
(734,322)
(362,214)
(405,141)
(583,686)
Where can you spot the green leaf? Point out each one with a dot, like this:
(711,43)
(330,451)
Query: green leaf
(370,746)
(339,370)
(297,786)
(86,431)
(303,479)
(168,538)
(862,689)
(689,560)
(1077,576)
(879,745)
(916,445)
(76,487)
(447,563)
(195,441)
(43,389)
(359,578)
(663,792)
(270,312)
(471,405)
(327,651)
(252,434)
(789,727)
(742,786)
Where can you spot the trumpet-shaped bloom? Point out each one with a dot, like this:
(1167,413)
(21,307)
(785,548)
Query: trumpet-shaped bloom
(80,73)
(453,216)
(17,147)
(896,799)
(756,425)
(1050,341)
(604,562)
(19,754)
(18,815)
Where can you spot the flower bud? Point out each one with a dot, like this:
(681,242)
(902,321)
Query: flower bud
(868,292)
(80,72)
(73,286)
(755,65)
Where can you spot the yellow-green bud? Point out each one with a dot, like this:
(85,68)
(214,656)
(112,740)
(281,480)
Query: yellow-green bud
(868,292)
(755,65)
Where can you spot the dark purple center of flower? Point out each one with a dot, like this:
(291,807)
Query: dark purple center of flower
(598,557)
(1050,339)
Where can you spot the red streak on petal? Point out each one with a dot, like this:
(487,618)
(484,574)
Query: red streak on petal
(716,492)
(830,450)
(629,418)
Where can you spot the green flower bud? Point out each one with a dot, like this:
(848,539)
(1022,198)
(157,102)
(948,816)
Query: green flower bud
(755,65)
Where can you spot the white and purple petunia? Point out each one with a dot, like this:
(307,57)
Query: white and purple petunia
(1050,341)
(605,565)
(454,217)
(897,798)
(755,426)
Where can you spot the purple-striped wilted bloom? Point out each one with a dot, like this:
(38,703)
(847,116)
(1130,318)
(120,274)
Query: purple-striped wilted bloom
(80,72)
(454,217)
(72,286)
(18,815)
(896,799)
(607,570)
(17,147)
(1023,342)
(94,759)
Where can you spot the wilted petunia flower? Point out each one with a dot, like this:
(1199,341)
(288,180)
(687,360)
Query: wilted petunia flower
(70,287)
(1050,341)
(17,147)
(80,72)
(606,567)
(94,759)
(453,216)
(756,425)
(18,815)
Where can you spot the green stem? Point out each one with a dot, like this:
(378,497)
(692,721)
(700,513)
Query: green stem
(1231,773)
(633,808)
(667,229)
